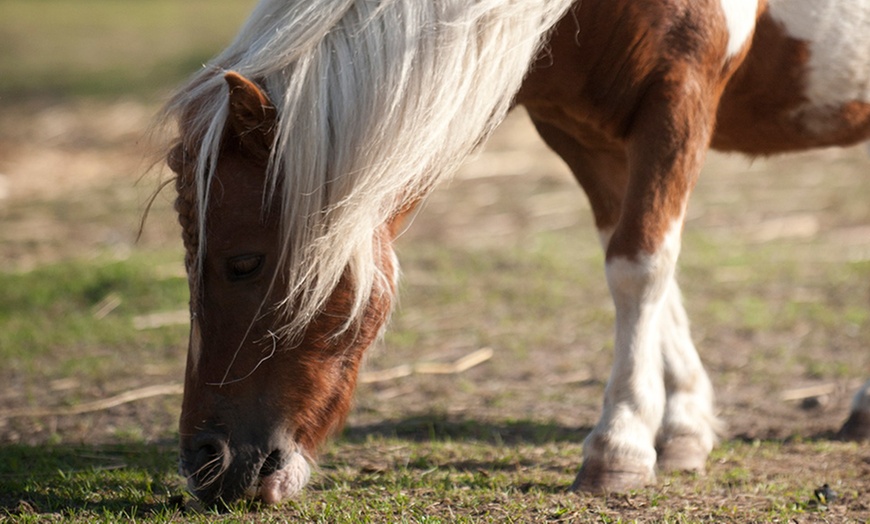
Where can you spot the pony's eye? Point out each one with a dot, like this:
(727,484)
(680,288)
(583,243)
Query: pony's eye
(244,266)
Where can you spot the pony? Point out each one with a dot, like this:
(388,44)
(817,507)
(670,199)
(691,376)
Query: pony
(303,146)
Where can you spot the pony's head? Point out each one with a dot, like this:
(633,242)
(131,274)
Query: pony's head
(258,399)
(299,148)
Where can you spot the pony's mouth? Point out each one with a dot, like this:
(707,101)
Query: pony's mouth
(279,476)
(280,483)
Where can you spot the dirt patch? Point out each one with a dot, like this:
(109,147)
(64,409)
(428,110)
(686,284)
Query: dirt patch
(75,179)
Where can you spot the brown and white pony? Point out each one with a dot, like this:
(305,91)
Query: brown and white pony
(303,145)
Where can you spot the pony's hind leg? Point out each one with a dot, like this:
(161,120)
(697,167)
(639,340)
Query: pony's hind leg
(689,426)
(857,427)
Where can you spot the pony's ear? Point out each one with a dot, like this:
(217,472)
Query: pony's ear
(176,159)
(252,116)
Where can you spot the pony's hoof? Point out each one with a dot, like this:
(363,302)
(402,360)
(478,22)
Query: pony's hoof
(596,477)
(683,453)
(856,428)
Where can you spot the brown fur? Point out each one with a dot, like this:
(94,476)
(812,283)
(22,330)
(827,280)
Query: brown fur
(627,92)
(759,111)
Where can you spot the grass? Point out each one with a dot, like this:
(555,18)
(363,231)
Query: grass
(85,480)
(430,467)
(453,477)
(61,48)
(45,312)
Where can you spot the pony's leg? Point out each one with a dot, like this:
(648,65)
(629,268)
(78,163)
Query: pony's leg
(857,427)
(689,426)
(664,153)
(619,453)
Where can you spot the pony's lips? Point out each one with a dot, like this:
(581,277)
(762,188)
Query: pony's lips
(283,483)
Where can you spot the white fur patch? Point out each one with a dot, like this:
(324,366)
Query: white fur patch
(195,346)
(634,401)
(861,402)
(286,482)
(689,408)
(740,16)
(838,35)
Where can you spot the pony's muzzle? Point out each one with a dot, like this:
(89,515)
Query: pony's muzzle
(220,471)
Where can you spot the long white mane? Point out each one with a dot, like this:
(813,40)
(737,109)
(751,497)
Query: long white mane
(377,101)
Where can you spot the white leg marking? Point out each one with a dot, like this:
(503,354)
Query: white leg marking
(634,400)
(740,16)
(689,410)
(689,426)
(194,348)
(861,401)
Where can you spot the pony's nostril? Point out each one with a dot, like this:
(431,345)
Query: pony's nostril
(273,463)
(207,459)
(207,454)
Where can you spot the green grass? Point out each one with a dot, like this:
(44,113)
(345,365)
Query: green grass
(56,305)
(431,467)
(59,48)
(453,476)
(518,294)
(58,352)
(86,480)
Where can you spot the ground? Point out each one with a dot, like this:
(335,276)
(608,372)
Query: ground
(775,271)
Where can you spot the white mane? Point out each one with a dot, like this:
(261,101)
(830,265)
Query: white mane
(377,101)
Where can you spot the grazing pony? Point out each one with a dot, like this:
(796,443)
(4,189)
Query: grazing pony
(303,145)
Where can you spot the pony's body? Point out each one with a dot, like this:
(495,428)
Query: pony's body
(341,117)
(807,84)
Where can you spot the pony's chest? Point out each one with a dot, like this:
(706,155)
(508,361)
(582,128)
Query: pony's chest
(837,36)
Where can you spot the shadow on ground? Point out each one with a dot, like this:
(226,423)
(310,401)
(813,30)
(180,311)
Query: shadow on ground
(132,479)
(444,427)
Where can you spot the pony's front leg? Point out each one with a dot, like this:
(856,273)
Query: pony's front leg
(619,453)
(665,150)
(689,425)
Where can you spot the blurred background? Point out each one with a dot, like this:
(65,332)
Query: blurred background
(81,82)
